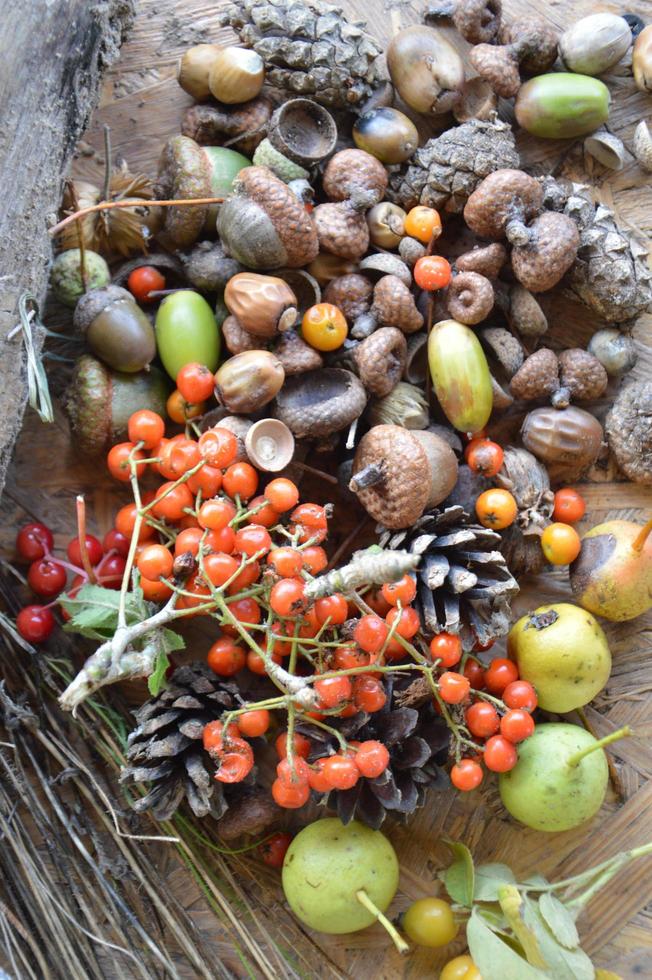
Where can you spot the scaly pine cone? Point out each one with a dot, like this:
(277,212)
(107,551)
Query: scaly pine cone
(309,48)
(446,171)
(463,583)
(610,274)
(166,749)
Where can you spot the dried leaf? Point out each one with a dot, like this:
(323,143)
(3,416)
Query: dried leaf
(459,877)
(513,904)
(559,920)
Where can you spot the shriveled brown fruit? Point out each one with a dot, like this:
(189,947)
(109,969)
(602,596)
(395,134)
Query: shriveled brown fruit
(351,171)
(380,360)
(502,197)
(236,337)
(264,225)
(351,294)
(535,40)
(487,260)
(537,377)
(583,375)
(528,482)
(341,230)
(505,348)
(242,126)
(524,313)
(498,66)
(318,403)
(295,354)
(567,440)
(207,267)
(470,298)
(183,174)
(264,305)
(393,305)
(250,815)
(629,431)
(544,250)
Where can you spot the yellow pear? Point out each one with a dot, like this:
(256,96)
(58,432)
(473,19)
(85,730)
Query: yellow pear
(612,575)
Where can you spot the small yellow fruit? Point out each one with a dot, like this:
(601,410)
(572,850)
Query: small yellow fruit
(460,968)
(429,922)
(324,327)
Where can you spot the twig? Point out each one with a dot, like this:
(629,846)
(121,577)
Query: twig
(107,163)
(109,205)
(81,537)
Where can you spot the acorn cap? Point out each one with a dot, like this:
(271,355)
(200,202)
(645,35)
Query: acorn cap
(270,445)
(394,305)
(296,355)
(502,196)
(351,294)
(341,230)
(321,402)
(505,347)
(351,171)
(398,495)
(304,286)
(583,374)
(183,174)
(385,264)
(537,377)
(303,131)
(380,360)
(92,303)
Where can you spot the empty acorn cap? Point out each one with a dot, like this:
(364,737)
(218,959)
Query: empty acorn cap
(606,148)
(303,131)
(384,264)
(270,445)
(321,402)
(416,364)
(304,286)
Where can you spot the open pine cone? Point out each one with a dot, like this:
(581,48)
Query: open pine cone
(464,585)
(166,750)
(417,741)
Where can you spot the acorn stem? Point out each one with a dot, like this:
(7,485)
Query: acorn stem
(367,477)
(639,541)
(623,732)
(395,936)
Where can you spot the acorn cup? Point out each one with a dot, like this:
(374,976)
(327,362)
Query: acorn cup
(303,131)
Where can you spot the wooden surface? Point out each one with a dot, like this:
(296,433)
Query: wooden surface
(143,105)
(52,56)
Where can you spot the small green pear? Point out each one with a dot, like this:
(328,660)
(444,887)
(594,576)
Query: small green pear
(334,872)
(562,650)
(560,779)
(612,575)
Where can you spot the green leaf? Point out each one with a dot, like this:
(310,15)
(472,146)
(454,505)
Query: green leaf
(493,957)
(169,641)
(512,902)
(165,641)
(559,920)
(94,610)
(535,882)
(156,680)
(489,878)
(563,964)
(459,877)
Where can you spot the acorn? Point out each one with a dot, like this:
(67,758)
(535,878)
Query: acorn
(115,328)
(263,305)
(246,382)
(236,75)
(593,44)
(66,278)
(386,133)
(386,224)
(99,402)
(562,105)
(567,440)
(642,60)
(425,69)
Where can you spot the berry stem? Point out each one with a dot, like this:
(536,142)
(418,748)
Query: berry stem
(394,934)
(81,537)
(639,541)
(623,732)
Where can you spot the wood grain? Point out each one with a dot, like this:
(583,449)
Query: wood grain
(143,106)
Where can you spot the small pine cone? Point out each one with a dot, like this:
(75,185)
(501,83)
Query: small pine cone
(583,374)
(394,305)
(166,749)
(249,815)
(296,355)
(236,337)
(341,230)
(350,171)
(537,377)
(444,173)
(380,360)
(351,294)
(309,48)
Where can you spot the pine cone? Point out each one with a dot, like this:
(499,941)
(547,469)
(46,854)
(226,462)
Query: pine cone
(309,48)
(166,748)
(464,584)
(610,274)
(446,171)
(417,741)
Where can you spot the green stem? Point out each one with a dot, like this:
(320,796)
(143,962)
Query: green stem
(623,732)
(395,936)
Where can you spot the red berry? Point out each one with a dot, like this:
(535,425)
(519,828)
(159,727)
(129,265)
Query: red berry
(316,777)
(372,758)
(499,754)
(301,745)
(274,849)
(225,657)
(447,648)
(285,561)
(282,494)
(368,693)
(287,596)
(34,541)
(110,572)
(114,541)
(252,539)
(569,506)
(432,272)
(46,577)
(315,559)
(520,694)
(341,772)
(453,687)
(143,281)
(482,719)
(290,796)
(474,672)
(499,674)
(406,620)
(333,608)
(253,723)
(195,382)
(93,547)
(218,446)
(147,427)
(332,691)
(293,773)
(370,633)
(484,457)
(402,591)
(517,725)
(235,762)
(466,775)
(35,623)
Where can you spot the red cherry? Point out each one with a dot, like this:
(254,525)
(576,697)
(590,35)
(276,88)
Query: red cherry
(93,547)
(35,623)
(46,577)
(34,541)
